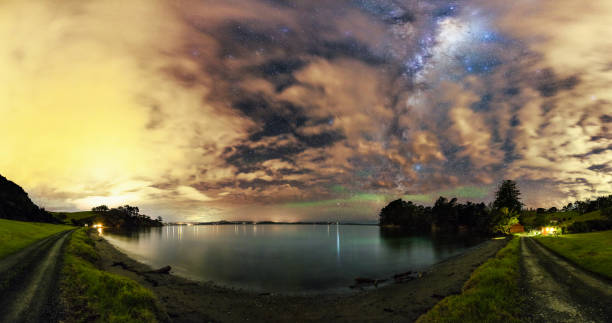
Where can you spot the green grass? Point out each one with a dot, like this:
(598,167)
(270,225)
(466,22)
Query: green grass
(592,251)
(73,215)
(490,295)
(93,295)
(16,235)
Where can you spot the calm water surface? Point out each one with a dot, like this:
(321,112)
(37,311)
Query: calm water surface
(286,258)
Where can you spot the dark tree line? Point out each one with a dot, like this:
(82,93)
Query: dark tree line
(445,215)
(449,215)
(124,217)
(588,205)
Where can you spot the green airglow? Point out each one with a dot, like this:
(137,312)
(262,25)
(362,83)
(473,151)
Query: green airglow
(477,192)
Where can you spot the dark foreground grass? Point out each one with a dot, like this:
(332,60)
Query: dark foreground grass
(16,235)
(490,295)
(93,295)
(591,251)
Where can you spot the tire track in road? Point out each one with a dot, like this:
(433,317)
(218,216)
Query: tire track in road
(29,285)
(558,291)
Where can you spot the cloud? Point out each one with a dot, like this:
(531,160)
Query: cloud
(207,109)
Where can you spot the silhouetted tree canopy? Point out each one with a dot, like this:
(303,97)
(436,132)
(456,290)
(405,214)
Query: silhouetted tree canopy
(101,208)
(450,215)
(125,216)
(508,195)
(589,205)
(446,215)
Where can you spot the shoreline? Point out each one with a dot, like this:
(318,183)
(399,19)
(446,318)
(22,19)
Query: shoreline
(191,301)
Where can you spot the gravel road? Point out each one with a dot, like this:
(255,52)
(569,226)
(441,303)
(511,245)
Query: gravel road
(29,281)
(558,291)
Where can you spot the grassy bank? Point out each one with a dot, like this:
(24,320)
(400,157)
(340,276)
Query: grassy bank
(490,295)
(90,294)
(16,235)
(592,251)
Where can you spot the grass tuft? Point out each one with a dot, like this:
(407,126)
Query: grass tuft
(490,295)
(90,294)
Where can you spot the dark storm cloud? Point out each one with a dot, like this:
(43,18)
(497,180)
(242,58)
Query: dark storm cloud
(549,84)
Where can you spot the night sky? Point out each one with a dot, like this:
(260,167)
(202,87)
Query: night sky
(303,110)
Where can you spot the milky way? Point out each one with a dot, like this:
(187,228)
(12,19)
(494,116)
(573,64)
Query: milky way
(287,110)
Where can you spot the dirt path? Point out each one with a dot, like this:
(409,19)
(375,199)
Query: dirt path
(558,291)
(188,301)
(28,282)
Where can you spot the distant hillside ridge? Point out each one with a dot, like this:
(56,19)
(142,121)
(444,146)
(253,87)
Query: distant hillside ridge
(16,205)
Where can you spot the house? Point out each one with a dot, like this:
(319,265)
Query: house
(517,228)
(549,230)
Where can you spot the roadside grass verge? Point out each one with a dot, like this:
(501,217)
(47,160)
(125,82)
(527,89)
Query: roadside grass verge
(93,295)
(490,295)
(16,235)
(591,251)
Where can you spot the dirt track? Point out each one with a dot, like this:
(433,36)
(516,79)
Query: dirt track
(558,291)
(29,282)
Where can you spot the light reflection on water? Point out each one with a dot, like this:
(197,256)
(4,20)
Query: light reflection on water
(286,258)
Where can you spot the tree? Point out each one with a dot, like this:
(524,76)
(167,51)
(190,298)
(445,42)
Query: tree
(607,213)
(445,213)
(505,219)
(508,195)
(101,208)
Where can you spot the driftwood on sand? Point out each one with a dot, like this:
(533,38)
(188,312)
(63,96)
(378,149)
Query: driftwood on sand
(407,276)
(162,270)
(361,282)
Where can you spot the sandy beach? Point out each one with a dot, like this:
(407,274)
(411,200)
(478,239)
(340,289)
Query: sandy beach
(189,301)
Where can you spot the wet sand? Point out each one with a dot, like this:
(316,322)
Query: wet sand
(189,301)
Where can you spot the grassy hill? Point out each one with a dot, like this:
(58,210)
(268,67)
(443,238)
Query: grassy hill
(565,218)
(15,235)
(73,215)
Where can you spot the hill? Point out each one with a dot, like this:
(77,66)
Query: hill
(562,219)
(78,217)
(16,205)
